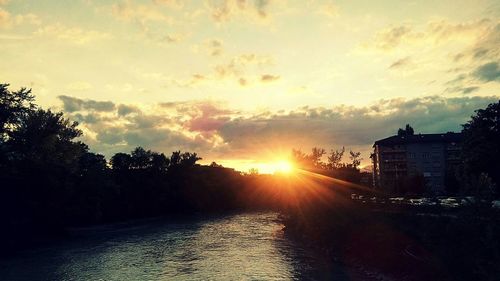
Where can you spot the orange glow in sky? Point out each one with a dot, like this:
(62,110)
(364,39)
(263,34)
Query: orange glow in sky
(282,166)
(242,83)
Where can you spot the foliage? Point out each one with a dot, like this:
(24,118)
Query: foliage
(407,131)
(480,148)
(13,106)
(334,167)
(335,158)
(355,158)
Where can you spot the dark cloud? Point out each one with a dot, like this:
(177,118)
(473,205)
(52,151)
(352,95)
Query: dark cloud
(468,90)
(488,72)
(347,125)
(216,132)
(110,135)
(480,52)
(89,118)
(126,109)
(72,104)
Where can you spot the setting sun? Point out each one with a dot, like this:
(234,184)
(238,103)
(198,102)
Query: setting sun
(282,166)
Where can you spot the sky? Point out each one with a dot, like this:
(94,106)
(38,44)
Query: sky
(243,82)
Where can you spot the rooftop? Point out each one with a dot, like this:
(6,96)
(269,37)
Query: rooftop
(420,138)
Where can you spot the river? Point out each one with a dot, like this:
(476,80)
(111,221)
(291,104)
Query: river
(248,246)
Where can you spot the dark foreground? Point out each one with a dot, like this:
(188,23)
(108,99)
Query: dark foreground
(248,246)
(402,242)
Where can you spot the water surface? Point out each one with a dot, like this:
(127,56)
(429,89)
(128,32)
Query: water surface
(249,246)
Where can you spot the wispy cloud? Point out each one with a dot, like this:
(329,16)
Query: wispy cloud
(74,35)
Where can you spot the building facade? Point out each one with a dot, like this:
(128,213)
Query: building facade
(433,156)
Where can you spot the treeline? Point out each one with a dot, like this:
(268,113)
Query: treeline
(50,180)
(334,166)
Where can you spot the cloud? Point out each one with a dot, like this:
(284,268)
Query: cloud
(401,63)
(462,89)
(172,38)
(227,10)
(240,69)
(347,125)
(207,117)
(152,18)
(468,90)
(4,18)
(90,118)
(269,78)
(330,10)
(433,33)
(165,127)
(486,46)
(72,104)
(177,4)
(127,109)
(215,47)
(243,81)
(74,35)
(8,20)
(467,49)
(127,11)
(110,135)
(216,132)
(392,37)
(488,72)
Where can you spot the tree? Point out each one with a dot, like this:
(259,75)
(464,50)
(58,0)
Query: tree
(315,157)
(215,165)
(92,163)
(159,162)
(407,131)
(335,158)
(141,158)
(121,161)
(189,159)
(480,147)
(46,137)
(13,106)
(355,158)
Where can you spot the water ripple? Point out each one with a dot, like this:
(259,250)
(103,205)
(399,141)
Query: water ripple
(248,246)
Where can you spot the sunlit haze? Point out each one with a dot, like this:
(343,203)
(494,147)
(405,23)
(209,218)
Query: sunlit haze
(234,80)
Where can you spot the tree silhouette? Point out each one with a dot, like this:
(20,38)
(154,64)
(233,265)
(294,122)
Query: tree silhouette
(335,158)
(480,148)
(407,131)
(13,106)
(355,158)
(121,161)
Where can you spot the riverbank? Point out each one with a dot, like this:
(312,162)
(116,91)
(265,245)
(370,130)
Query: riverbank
(402,245)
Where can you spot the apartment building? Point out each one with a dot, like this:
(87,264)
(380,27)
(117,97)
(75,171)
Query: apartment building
(404,156)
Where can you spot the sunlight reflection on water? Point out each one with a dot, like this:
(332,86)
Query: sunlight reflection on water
(247,246)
